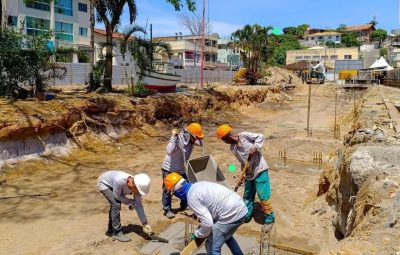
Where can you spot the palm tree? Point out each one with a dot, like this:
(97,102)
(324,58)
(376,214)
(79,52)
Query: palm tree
(123,45)
(109,13)
(252,42)
(92,50)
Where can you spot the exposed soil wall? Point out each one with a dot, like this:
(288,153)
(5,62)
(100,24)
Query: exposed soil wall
(28,127)
(364,185)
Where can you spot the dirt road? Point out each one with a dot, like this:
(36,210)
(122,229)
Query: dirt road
(70,216)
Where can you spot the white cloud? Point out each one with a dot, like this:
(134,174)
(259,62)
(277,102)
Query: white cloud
(224,29)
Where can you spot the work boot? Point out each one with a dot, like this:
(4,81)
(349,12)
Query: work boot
(120,236)
(266,228)
(169,214)
(183,208)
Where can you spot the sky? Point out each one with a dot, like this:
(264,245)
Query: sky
(226,16)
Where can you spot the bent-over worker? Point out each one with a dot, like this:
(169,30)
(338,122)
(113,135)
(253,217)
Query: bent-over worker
(115,185)
(243,145)
(220,210)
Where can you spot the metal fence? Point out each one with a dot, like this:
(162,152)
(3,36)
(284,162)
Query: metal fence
(78,73)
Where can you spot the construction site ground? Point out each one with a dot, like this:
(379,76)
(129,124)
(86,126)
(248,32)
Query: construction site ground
(65,214)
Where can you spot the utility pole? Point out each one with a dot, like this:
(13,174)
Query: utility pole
(309,109)
(203,42)
(151,43)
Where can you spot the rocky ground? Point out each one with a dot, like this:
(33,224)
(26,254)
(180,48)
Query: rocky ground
(68,215)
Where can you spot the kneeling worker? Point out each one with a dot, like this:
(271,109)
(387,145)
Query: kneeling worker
(114,185)
(220,211)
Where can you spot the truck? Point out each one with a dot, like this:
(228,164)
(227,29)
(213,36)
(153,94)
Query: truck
(316,73)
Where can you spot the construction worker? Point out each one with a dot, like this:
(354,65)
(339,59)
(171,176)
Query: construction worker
(243,146)
(115,185)
(179,149)
(220,211)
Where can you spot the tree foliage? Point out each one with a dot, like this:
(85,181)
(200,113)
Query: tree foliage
(252,41)
(278,47)
(342,28)
(25,63)
(350,39)
(109,13)
(194,23)
(379,35)
(297,32)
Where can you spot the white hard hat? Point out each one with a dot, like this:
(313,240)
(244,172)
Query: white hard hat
(142,183)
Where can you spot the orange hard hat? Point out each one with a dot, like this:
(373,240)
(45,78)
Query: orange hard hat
(223,130)
(196,130)
(171,180)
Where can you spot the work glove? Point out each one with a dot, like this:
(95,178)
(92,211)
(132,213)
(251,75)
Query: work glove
(147,229)
(175,132)
(193,237)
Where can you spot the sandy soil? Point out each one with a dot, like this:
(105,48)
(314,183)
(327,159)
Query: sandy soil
(71,217)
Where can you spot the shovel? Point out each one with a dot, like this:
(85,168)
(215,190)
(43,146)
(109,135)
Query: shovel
(243,174)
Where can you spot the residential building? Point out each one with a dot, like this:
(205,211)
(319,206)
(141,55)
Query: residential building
(100,50)
(186,51)
(326,55)
(394,48)
(69,19)
(363,32)
(228,55)
(321,38)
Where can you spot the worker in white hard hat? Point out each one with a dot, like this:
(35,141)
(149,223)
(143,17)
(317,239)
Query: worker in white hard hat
(115,185)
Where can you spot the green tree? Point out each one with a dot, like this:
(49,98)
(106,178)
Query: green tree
(379,35)
(350,39)
(373,21)
(298,31)
(25,63)
(109,13)
(278,47)
(290,31)
(342,28)
(252,40)
(383,52)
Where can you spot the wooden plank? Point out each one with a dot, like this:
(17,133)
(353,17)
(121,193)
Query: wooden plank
(193,246)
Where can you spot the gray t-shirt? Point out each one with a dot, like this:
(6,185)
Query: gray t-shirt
(117,182)
(177,146)
(241,150)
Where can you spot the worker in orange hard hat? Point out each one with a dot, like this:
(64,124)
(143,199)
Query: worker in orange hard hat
(179,149)
(220,211)
(247,146)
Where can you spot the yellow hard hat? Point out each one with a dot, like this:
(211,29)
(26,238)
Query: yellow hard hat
(171,180)
(196,130)
(223,130)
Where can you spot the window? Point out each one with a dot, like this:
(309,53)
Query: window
(315,57)
(43,5)
(347,56)
(307,57)
(36,26)
(83,31)
(82,7)
(298,58)
(64,31)
(63,7)
(12,21)
(334,57)
(324,57)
